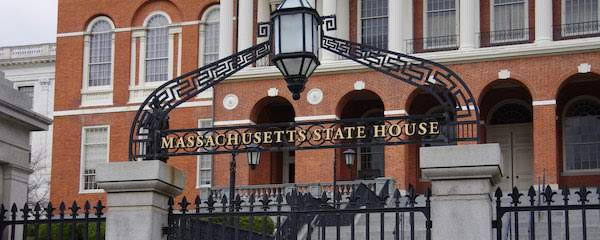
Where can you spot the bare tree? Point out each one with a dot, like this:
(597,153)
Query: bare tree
(38,188)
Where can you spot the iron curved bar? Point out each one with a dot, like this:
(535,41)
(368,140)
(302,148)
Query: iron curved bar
(152,115)
(424,74)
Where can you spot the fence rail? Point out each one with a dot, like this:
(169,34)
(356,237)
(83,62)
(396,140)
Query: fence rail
(506,37)
(544,209)
(65,222)
(301,216)
(577,30)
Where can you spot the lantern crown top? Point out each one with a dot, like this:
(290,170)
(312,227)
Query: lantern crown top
(288,4)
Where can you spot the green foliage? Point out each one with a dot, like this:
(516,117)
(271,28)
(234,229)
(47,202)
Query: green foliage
(67,231)
(244,223)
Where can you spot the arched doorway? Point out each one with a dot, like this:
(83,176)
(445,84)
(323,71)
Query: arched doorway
(275,167)
(506,106)
(370,160)
(578,130)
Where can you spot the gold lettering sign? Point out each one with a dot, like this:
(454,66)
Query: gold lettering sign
(299,135)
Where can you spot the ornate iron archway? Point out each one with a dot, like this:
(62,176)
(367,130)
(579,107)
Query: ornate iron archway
(150,128)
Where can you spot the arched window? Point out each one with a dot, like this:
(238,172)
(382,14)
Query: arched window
(100,62)
(511,113)
(581,137)
(209,32)
(98,58)
(157,49)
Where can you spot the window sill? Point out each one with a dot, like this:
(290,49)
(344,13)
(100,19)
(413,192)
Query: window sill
(574,173)
(95,191)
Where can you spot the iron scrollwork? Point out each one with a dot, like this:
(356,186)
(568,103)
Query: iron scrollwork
(151,119)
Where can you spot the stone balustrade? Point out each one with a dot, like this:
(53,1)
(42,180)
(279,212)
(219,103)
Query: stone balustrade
(28,51)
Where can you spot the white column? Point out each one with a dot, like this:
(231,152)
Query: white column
(329,8)
(543,21)
(245,24)
(399,24)
(462,178)
(226,28)
(469,23)
(137,196)
(263,15)
(343,19)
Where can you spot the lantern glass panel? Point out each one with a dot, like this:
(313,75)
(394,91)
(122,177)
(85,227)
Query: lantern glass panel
(308,33)
(276,35)
(291,4)
(311,69)
(291,33)
(292,65)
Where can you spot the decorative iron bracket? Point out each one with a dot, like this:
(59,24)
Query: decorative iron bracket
(264,29)
(330,22)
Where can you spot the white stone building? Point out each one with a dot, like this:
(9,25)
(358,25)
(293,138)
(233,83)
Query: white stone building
(31,70)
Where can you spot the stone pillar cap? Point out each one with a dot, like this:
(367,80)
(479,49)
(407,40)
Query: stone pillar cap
(474,161)
(140,176)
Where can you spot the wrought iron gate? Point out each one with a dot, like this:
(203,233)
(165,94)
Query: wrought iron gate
(295,215)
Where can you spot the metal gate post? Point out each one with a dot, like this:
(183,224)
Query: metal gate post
(462,178)
(137,198)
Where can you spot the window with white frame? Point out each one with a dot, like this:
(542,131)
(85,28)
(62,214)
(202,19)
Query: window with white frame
(210,36)
(509,20)
(157,49)
(94,151)
(204,162)
(100,54)
(580,17)
(582,134)
(441,24)
(374,22)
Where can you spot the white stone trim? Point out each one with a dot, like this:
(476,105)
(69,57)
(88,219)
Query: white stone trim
(97,95)
(273,92)
(504,74)
(126,29)
(359,85)
(234,122)
(584,68)
(544,102)
(395,112)
(131,108)
(316,118)
(464,108)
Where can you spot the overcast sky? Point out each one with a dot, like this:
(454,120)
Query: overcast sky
(25,22)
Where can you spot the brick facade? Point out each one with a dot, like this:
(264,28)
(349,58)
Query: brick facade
(540,78)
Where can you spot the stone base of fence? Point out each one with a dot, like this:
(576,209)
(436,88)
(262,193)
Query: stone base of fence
(462,178)
(137,198)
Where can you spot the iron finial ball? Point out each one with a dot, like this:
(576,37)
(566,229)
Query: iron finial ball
(296,41)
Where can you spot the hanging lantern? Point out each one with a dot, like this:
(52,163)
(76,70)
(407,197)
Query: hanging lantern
(296,41)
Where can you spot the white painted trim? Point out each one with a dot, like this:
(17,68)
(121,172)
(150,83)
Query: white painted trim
(86,66)
(132,71)
(234,122)
(126,29)
(395,112)
(544,102)
(198,185)
(131,108)
(152,14)
(316,118)
(464,108)
(81,160)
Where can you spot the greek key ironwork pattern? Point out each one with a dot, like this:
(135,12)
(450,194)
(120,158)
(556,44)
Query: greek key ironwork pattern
(152,115)
(264,29)
(436,79)
(330,22)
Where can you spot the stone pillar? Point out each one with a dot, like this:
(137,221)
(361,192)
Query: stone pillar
(462,179)
(469,24)
(543,21)
(399,24)
(245,24)
(137,197)
(263,14)
(14,179)
(329,8)
(226,28)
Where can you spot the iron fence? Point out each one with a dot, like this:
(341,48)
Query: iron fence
(296,215)
(506,37)
(571,217)
(577,30)
(73,222)
(432,44)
